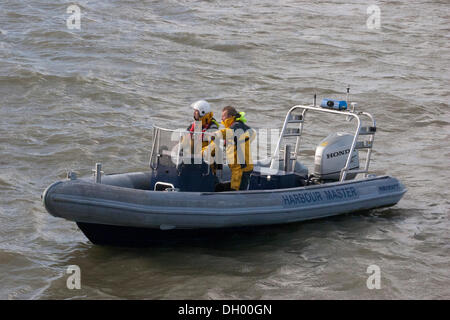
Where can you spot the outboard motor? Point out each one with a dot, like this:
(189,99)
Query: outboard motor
(331,156)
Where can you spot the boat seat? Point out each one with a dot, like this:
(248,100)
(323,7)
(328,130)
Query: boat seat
(196,178)
(187,177)
(269,179)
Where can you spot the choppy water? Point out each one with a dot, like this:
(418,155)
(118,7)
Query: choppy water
(70,98)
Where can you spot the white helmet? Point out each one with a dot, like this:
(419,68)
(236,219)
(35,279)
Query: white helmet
(202,106)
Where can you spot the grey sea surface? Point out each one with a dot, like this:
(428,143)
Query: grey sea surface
(72,97)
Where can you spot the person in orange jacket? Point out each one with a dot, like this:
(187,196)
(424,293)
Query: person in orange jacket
(195,140)
(203,113)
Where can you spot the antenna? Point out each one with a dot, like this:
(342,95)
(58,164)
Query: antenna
(348,92)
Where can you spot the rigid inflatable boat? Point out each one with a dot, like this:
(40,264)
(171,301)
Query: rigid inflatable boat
(176,196)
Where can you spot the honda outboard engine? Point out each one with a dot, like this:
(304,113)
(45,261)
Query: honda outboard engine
(331,156)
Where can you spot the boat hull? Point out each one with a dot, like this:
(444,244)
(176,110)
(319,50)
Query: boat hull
(106,212)
(101,234)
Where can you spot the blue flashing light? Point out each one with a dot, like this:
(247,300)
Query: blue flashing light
(334,104)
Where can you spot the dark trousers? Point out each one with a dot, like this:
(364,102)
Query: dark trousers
(245,180)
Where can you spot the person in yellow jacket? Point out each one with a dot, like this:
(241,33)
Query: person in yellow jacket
(237,137)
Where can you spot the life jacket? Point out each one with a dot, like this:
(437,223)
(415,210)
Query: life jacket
(208,123)
(211,125)
(239,146)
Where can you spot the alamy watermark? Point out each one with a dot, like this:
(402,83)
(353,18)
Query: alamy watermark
(74,20)
(374,20)
(220,147)
(374,280)
(74,280)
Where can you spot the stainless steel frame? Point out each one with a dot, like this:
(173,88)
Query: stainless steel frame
(367,144)
(154,158)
